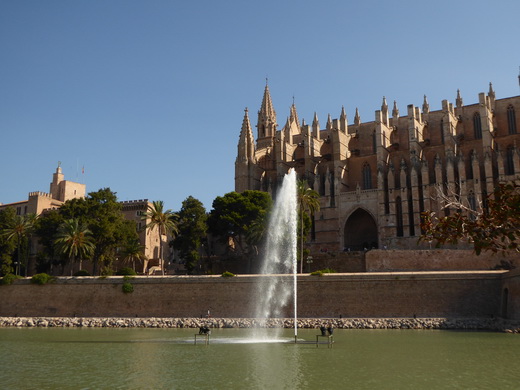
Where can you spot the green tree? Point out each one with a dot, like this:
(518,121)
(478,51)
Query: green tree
(308,202)
(192,229)
(495,228)
(75,240)
(19,229)
(101,213)
(234,214)
(164,221)
(46,229)
(133,251)
(7,247)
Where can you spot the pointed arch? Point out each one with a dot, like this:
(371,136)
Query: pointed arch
(360,231)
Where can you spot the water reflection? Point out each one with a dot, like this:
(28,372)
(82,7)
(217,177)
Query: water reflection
(167,359)
(268,369)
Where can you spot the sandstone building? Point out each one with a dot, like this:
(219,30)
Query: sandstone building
(375,178)
(62,190)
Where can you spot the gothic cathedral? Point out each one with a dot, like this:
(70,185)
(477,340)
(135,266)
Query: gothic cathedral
(375,178)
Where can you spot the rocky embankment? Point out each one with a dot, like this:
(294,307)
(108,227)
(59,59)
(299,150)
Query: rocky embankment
(304,323)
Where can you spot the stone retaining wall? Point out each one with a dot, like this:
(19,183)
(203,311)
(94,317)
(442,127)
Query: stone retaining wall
(304,323)
(378,260)
(360,295)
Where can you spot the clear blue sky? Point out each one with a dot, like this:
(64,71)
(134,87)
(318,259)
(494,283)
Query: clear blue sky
(149,96)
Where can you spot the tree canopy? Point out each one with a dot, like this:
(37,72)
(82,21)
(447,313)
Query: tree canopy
(234,214)
(192,231)
(495,227)
(101,214)
(7,246)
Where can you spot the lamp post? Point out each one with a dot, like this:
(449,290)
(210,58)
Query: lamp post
(309,262)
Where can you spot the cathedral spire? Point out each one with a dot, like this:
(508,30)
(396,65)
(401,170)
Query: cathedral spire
(343,123)
(491,92)
(395,111)
(425,106)
(384,111)
(357,118)
(266,116)
(294,115)
(315,121)
(329,123)
(384,105)
(246,124)
(315,126)
(458,101)
(267,105)
(343,114)
(246,142)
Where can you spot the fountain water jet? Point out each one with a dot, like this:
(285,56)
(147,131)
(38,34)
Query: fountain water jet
(275,292)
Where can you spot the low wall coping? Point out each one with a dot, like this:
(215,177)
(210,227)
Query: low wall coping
(167,279)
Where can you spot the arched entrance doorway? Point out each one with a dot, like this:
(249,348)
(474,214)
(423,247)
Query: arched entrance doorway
(360,231)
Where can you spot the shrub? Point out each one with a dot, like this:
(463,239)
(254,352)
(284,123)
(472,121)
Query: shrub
(9,279)
(106,271)
(128,287)
(82,272)
(42,278)
(328,271)
(323,271)
(126,271)
(227,274)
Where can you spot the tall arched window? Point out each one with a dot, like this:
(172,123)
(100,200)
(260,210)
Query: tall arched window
(477,126)
(469,166)
(511,120)
(509,163)
(472,201)
(367,177)
(399,216)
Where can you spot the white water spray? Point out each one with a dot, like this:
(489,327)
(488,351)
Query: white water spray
(275,292)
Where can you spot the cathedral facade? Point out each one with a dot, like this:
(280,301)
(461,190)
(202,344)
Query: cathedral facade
(375,178)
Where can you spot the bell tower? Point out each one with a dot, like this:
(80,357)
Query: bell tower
(266,124)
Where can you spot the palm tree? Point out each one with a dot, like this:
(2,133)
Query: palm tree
(133,251)
(74,240)
(255,235)
(21,227)
(308,201)
(165,221)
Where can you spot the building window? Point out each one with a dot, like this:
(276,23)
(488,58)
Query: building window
(469,165)
(367,177)
(511,120)
(374,143)
(477,126)
(18,210)
(399,217)
(509,163)
(472,201)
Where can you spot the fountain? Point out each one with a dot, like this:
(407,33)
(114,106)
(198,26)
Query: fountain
(275,293)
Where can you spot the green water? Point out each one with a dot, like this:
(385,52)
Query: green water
(167,359)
